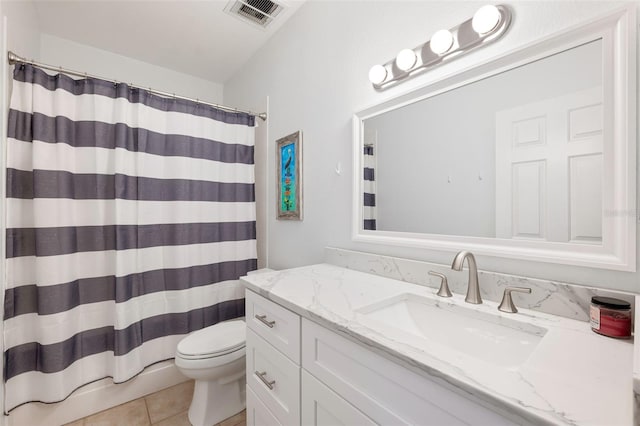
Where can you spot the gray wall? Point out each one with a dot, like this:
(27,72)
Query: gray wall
(78,56)
(314,71)
(23,33)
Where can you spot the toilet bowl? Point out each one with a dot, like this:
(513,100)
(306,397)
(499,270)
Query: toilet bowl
(215,358)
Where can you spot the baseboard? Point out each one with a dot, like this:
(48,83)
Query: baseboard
(96,397)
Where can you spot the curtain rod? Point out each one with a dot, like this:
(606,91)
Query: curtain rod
(13,59)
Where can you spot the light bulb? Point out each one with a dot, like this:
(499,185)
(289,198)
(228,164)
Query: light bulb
(441,42)
(486,19)
(406,59)
(377,74)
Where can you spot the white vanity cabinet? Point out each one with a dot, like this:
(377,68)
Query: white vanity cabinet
(329,380)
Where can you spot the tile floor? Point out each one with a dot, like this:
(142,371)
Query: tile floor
(167,407)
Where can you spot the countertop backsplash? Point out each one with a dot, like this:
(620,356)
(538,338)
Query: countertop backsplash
(552,297)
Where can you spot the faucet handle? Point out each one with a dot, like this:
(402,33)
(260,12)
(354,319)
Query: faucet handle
(444,285)
(507,302)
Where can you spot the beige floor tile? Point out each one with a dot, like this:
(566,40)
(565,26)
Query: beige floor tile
(132,413)
(76,423)
(169,402)
(181,419)
(238,419)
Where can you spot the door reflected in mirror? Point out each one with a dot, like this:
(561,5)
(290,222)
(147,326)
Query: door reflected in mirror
(519,155)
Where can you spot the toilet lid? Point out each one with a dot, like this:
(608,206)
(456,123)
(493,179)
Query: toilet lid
(220,338)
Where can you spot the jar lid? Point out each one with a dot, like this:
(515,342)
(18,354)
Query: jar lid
(610,302)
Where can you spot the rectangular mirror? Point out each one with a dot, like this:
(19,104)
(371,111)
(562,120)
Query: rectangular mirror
(531,156)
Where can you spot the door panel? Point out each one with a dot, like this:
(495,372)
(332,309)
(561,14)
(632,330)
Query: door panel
(549,169)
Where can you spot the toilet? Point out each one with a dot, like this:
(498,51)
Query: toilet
(215,358)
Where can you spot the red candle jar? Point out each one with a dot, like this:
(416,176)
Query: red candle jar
(611,317)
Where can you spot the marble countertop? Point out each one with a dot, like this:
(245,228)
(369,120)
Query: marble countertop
(574,376)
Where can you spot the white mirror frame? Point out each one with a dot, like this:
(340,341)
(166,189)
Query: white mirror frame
(618,250)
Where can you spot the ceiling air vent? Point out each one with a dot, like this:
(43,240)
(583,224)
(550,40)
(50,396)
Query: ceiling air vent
(259,12)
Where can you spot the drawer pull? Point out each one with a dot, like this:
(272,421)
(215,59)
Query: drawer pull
(266,382)
(263,319)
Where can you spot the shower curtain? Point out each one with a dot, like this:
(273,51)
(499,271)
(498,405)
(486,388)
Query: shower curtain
(130,218)
(369,186)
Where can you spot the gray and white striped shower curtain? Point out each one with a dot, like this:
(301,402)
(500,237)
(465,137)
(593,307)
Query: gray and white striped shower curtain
(369,186)
(130,218)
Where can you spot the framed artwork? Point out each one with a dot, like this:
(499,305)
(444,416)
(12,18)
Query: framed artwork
(289,177)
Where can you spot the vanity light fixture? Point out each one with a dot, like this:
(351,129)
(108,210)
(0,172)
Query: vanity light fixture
(487,25)
(406,59)
(377,74)
(486,19)
(441,42)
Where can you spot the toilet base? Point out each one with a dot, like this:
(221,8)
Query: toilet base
(213,402)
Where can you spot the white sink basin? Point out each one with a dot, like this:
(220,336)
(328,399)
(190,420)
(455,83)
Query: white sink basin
(432,324)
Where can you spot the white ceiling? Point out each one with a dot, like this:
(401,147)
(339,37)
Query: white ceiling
(193,37)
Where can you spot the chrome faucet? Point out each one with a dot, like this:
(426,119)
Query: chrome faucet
(473,290)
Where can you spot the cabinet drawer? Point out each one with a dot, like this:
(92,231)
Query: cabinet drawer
(385,391)
(275,324)
(257,413)
(323,407)
(274,379)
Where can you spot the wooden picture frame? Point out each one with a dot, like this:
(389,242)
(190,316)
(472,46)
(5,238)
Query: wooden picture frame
(289,177)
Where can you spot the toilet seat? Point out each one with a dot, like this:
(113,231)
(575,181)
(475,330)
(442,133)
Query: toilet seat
(208,363)
(218,340)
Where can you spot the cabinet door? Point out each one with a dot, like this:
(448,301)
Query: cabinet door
(323,407)
(274,379)
(257,413)
(387,392)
